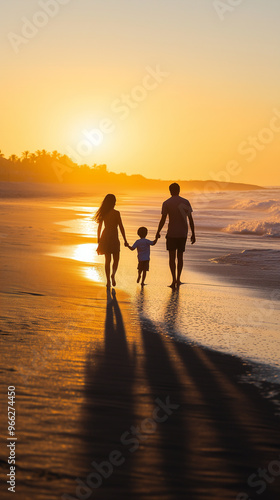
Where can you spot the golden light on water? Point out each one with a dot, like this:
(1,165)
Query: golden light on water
(84,226)
(85,252)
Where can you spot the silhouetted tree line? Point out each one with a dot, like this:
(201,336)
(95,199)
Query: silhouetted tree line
(43,166)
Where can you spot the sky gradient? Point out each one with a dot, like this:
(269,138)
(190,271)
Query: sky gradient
(178,88)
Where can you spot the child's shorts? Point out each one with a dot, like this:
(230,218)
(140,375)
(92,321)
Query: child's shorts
(143,265)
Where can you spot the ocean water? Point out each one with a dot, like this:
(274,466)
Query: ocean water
(236,232)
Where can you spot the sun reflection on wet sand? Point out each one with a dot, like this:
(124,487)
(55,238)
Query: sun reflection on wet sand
(93,274)
(85,253)
(85,226)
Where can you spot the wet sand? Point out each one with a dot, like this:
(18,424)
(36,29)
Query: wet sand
(261,281)
(95,380)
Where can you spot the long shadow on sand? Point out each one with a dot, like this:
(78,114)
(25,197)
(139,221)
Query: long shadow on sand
(109,403)
(165,384)
(237,443)
(206,449)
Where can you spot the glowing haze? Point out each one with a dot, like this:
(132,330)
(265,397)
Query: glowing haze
(165,88)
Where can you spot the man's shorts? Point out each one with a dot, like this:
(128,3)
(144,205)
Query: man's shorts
(173,244)
(143,265)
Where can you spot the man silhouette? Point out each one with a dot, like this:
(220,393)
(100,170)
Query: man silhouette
(179,210)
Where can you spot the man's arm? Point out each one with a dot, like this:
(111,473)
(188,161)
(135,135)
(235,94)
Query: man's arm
(192,228)
(161,224)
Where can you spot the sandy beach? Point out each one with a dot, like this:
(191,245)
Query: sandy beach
(110,404)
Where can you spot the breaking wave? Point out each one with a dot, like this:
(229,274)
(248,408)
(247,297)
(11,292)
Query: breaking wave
(270,206)
(257,227)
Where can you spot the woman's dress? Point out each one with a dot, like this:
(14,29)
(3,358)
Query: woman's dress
(109,241)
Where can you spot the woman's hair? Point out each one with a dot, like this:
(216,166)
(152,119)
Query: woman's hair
(107,204)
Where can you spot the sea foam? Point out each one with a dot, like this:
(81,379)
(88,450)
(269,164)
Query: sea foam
(263,259)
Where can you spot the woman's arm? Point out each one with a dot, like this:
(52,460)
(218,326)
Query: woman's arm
(122,230)
(99,231)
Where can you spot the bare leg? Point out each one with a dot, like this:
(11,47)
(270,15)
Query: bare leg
(139,276)
(107,268)
(143,278)
(179,267)
(116,258)
(172,265)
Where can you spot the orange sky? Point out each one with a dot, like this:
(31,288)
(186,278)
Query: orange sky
(170,89)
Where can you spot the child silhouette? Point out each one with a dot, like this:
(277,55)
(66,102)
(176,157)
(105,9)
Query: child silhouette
(143,250)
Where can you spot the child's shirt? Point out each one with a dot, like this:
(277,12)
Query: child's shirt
(143,248)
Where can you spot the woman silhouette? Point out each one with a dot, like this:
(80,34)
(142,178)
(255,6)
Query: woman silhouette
(108,241)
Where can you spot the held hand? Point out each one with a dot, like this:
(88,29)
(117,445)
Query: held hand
(126,244)
(193,240)
(157,235)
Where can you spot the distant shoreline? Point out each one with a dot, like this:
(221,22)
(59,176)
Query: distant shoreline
(22,189)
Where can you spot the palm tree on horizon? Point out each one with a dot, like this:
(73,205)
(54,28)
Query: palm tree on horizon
(56,155)
(13,158)
(25,155)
